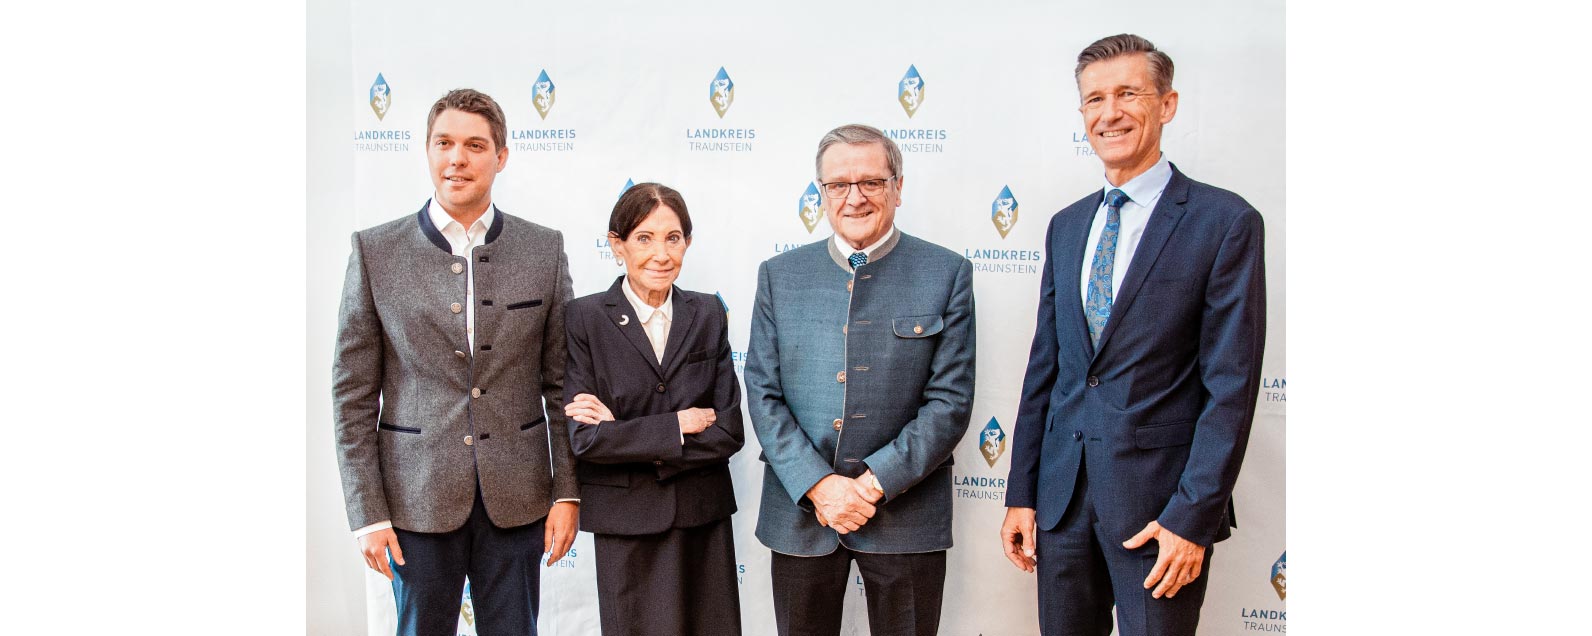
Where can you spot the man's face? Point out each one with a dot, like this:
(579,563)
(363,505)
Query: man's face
(1125,135)
(860,220)
(463,161)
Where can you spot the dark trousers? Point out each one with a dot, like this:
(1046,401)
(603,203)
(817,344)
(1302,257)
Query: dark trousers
(505,582)
(1083,572)
(681,581)
(904,592)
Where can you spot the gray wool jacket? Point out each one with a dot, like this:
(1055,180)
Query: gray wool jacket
(420,417)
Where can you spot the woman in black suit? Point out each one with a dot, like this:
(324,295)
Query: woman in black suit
(654,416)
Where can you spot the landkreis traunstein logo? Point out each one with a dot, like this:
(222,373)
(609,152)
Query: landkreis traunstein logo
(1279,576)
(380,97)
(376,137)
(721,92)
(810,207)
(909,91)
(543,94)
(1003,211)
(992,442)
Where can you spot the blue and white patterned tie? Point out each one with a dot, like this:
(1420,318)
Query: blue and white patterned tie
(1097,306)
(858,259)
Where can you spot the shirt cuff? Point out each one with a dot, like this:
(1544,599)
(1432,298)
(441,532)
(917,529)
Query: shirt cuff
(380,525)
(567,500)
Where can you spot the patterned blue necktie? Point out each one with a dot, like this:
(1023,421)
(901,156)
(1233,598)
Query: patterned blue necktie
(1097,307)
(858,259)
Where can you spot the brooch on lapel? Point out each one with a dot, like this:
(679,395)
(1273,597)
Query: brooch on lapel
(624,319)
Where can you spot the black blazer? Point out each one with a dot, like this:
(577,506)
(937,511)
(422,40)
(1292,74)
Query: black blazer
(635,476)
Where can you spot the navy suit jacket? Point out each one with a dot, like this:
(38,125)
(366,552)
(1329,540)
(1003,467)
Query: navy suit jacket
(1160,412)
(635,475)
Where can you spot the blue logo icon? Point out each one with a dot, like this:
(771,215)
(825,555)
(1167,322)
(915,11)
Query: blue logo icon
(811,207)
(910,91)
(1003,211)
(628,185)
(380,97)
(723,304)
(543,93)
(721,92)
(1279,576)
(992,442)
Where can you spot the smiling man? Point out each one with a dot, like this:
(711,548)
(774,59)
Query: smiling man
(448,377)
(1143,374)
(859,383)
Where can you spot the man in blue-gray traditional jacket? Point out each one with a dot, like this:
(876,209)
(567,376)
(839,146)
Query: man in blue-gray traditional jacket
(860,383)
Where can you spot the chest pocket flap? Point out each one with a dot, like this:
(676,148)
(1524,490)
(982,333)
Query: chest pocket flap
(918,326)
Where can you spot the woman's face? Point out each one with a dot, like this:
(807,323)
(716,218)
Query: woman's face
(654,253)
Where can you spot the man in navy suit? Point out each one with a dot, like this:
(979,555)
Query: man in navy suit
(1143,375)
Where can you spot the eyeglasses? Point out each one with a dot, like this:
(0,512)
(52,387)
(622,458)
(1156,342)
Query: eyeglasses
(869,187)
(1123,97)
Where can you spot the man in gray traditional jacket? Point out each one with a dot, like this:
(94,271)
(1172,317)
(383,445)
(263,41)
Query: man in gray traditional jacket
(448,378)
(859,382)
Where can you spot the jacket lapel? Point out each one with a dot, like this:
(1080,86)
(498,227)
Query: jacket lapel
(1071,247)
(1163,221)
(673,350)
(629,325)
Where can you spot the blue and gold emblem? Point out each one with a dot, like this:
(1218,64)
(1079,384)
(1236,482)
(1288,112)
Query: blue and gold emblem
(1003,211)
(910,91)
(810,207)
(543,94)
(992,442)
(1279,576)
(721,92)
(380,97)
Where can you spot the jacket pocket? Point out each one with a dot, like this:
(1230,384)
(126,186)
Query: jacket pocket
(525,304)
(918,326)
(531,424)
(396,429)
(602,475)
(1164,435)
(696,356)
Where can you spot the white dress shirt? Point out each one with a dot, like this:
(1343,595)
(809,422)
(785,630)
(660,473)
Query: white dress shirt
(1144,190)
(654,320)
(847,250)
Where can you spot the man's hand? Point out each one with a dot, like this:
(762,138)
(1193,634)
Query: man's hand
(696,420)
(374,547)
(863,484)
(562,523)
(837,505)
(1176,565)
(587,409)
(1017,537)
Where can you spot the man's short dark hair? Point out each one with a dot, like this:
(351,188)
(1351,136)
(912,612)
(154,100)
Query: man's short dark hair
(639,201)
(1128,44)
(470,100)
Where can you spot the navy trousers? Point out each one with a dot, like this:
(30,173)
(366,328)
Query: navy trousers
(502,564)
(904,592)
(1082,573)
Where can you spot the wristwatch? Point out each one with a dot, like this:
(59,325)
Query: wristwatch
(874,479)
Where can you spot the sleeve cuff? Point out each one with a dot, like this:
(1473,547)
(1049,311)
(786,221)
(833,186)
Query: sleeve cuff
(380,525)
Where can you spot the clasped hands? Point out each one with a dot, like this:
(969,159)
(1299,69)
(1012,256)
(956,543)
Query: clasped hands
(587,409)
(843,503)
(1178,561)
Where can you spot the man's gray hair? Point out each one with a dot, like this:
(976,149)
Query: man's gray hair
(1126,44)
(859,134)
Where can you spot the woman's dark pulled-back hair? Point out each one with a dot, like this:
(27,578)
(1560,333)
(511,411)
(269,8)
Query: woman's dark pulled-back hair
(639,201)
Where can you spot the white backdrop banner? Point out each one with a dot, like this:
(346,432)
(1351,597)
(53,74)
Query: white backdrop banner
(726,102)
